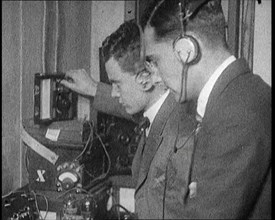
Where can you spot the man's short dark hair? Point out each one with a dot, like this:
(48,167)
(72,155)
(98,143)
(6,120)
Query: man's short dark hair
(208,23)
(124,46)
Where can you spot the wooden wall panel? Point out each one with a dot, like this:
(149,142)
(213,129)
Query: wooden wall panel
(32,48)
(74,35)
(32,62)
(10,96)
(50,36)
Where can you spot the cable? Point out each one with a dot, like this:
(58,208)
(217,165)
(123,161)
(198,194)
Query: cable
(89,150)
(8,194)
(11,192)
(74,188)
(120,206)
(87,142)
(102,176)
(91,196)
(47,205)
(175,149)
(27,160)
(185,67)
(192,133)
(36,204)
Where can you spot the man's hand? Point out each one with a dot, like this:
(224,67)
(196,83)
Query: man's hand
(81,82)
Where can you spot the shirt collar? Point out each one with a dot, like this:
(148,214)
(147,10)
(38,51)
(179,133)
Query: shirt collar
(206,90)
(152,111)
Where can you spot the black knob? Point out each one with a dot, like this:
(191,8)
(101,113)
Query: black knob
(124,139)
(124,161)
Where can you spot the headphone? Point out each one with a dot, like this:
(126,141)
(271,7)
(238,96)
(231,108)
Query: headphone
(185,46)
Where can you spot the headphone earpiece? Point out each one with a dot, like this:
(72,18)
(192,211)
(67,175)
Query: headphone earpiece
(186,49)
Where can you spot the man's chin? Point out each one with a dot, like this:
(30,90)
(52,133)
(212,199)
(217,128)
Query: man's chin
(130,111)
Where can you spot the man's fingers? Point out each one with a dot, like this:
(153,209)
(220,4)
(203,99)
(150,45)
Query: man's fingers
(67,84)
(72,73)
(76,74)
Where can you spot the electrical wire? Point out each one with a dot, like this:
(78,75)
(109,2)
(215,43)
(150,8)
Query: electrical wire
(11,192)
(8,194)
(87,142)
(27,160)
(184,77)
(91,196)
(84,150)
(102,176)
(36,204)
(175,149)
(67,191)
(75,188)
(120,206)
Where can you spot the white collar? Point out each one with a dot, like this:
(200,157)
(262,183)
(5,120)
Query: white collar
(206,90)
(152,111)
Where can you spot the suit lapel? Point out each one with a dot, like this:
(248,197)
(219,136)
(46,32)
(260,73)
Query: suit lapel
(155,137)
(235,69)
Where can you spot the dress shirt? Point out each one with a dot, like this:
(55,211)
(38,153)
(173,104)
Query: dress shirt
(206,90)
(152,111)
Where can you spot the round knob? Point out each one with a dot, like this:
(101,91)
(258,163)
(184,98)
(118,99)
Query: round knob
(59,168)
(124,161)
(124,138)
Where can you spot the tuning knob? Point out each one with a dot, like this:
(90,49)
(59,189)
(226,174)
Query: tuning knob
(124,139)
(124,161)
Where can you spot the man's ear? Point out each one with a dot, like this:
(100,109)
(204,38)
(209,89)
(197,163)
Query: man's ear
(156,78)
(145,80)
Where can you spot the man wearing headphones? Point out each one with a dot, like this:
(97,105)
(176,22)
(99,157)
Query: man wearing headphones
(230,176)
(160,168)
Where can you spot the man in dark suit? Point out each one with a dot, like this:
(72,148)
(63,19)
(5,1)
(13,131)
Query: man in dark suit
(160,168)
(230,175)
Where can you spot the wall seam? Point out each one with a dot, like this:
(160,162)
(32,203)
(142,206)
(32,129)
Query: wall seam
(56,33)
(21,91)
(43,37)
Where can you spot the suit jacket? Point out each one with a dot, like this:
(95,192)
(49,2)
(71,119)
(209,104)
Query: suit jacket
(232,157)
(160,172)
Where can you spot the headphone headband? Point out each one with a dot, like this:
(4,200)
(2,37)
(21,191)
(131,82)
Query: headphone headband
(186,47)
(192,7)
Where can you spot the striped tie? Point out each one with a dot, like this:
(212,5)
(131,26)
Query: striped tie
(140,130)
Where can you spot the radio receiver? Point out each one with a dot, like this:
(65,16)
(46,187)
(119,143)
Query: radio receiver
(52,100)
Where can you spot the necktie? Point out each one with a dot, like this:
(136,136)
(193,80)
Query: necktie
(140,130)
(142,126)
